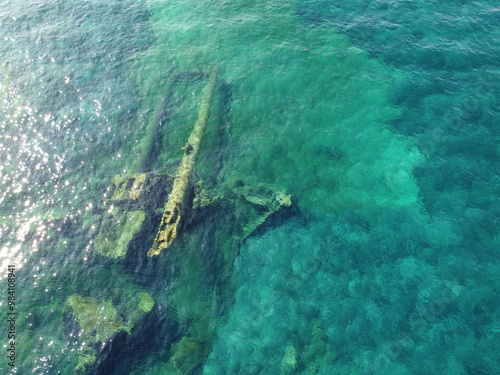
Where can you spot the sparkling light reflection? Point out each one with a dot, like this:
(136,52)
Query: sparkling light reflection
(31,170)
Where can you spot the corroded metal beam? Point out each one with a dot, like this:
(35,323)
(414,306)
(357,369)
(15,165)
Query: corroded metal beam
(175,205)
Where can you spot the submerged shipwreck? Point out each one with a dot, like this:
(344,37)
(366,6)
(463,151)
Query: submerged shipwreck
(132,195)
(177,227)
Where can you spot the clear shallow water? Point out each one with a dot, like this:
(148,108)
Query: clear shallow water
(380,119)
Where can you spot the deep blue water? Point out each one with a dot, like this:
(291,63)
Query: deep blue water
(379,118)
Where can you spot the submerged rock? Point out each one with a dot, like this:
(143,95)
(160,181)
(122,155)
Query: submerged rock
(289,361)
(99,321)
(186,354)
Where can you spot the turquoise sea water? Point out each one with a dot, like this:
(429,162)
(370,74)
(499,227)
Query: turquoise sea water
(380,119)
